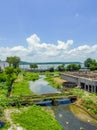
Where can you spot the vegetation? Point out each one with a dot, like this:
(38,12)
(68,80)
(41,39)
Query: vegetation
(35,118)
(21,87)
(50,77)
(61,67)
(15,81)
(13,61)
(31,76)
(85,99)
(82,114)
(51,69)
(33,66)
(91,63)
(11,75)
(73,67)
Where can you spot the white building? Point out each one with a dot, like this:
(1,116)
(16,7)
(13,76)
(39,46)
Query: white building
(3,64)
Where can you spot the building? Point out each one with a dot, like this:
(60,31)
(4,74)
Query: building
(3,64)
(86,81)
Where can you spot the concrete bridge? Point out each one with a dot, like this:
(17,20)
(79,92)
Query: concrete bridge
(88,84)
(51,98)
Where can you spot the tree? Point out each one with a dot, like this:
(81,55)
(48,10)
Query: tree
(51,69)
(13,61)
(72,67)
(11,75)
(61,67)
(33,66)
(93,66)
(88,62)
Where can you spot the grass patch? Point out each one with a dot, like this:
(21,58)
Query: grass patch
(81,114)
(21,88)
(3,90)
(53,79)
(35,118)
(31,76)
(86,99)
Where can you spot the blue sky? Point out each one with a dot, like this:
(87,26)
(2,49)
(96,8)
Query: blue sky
(67,27)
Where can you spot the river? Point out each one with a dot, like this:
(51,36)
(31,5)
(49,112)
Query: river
(62,112)
(42,87)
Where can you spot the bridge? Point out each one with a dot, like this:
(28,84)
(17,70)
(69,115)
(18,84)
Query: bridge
(41,99)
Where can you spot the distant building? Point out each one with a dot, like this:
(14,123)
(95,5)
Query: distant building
(3,64)
(84,70)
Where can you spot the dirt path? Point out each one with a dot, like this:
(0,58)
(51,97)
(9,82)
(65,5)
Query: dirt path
(7,114)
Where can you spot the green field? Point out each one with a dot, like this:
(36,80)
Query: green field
(35,118)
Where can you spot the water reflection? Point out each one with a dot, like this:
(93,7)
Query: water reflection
(42,87)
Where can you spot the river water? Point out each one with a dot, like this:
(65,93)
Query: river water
(62,112)
(68,120)
(42,87)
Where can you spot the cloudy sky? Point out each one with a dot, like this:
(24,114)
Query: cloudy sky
(48,30)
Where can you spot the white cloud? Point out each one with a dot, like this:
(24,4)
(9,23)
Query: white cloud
(44,52)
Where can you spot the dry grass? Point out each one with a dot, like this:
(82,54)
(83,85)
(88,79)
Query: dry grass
(82,115)
(59,80)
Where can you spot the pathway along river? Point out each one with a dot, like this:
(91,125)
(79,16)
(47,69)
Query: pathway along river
(62,112)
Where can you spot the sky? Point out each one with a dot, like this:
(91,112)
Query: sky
(48,30)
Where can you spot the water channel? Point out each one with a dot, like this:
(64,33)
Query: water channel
(62,112)
(42,87)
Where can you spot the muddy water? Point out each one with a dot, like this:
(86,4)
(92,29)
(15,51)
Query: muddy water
(68,120)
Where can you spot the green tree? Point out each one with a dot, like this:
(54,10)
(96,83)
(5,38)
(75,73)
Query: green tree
(61,67)
(33,66)
(93,65)
(11,75)
(13,61)
(2,77)
(88,62)
(73,67)
(51,69)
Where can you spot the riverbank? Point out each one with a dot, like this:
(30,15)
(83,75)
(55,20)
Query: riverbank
(85,99)
(82,114)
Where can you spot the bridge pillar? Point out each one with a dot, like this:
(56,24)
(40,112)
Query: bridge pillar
(88,89)
(85,88)
(95,89)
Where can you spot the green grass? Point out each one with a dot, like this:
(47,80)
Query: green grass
(35,118)
(77,92)
(31,76)
(3,90)
(50,78)
(21,88)
(88,100)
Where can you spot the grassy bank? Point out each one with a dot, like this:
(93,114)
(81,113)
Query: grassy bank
(54,79)
(31,76)
(86,99)
(83,115)
(21,87)
(35,118)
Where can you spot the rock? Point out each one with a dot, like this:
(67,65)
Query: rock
(81,128)
(88,120)
(67,122)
